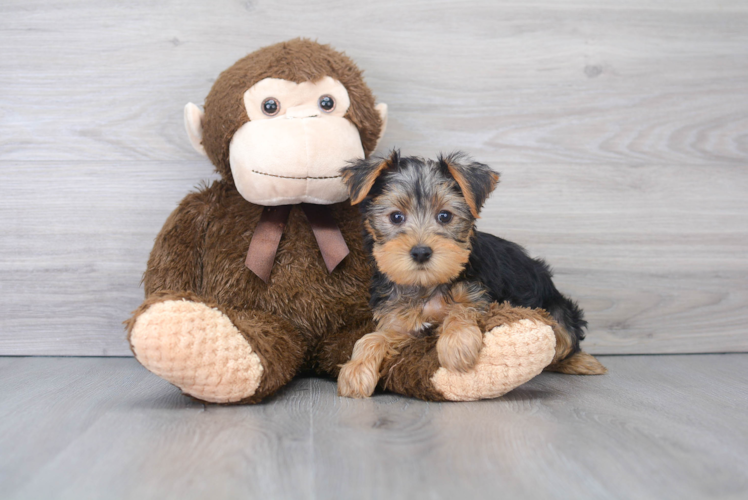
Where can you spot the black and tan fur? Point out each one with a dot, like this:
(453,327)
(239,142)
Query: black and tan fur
(447,293)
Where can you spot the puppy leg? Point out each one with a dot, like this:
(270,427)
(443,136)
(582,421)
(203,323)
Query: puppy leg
(358,377)
(460,340)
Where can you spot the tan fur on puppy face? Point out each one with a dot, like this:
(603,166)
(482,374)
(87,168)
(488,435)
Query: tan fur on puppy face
(393,258)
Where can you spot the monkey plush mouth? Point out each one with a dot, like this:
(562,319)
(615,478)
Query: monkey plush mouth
(296,178)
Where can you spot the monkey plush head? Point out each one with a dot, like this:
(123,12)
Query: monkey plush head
(281,123)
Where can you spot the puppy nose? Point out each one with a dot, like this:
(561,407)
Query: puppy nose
(421,253)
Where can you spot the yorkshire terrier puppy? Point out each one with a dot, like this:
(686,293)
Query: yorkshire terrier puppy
(435,274)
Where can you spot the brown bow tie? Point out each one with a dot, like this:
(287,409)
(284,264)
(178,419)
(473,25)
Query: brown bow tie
(267,236)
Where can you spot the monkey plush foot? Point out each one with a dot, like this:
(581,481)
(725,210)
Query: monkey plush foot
(512,354)
(198,349)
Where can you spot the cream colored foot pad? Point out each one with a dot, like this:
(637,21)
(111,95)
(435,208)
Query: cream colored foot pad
(198,349)
(511,355)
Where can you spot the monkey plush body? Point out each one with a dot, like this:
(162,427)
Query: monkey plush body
(304,319)
(246,285)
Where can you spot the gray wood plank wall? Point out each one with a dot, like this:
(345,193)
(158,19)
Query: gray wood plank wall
(620,128)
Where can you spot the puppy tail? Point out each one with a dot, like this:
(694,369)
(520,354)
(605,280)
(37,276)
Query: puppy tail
(570,317)
(579,363)
(570,359)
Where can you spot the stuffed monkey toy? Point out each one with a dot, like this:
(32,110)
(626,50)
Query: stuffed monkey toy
(262,275)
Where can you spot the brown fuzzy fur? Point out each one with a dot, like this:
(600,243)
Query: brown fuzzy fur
(410,372)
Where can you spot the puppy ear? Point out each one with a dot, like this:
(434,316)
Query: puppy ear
(359,176)
(476,180)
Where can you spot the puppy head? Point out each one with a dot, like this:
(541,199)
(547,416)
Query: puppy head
(420,214)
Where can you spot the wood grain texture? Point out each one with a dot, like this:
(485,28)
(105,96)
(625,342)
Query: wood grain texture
(654,427)
(76,240)
(620,128)
(539,81)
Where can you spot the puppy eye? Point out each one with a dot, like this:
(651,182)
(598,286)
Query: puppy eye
(326,103)
(444,216)
(397,217)
(271,106)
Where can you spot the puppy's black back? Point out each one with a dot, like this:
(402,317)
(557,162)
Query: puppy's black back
(511,275)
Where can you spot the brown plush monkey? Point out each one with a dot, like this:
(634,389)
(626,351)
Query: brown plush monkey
(262,275)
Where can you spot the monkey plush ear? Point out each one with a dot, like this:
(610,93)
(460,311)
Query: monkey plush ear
(359,176)
(193,122)
(382,110)
(476,180)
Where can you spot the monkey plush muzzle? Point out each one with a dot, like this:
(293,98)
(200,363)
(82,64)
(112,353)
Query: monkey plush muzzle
(295,158)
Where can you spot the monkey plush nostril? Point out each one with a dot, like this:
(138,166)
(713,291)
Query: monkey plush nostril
(421,253)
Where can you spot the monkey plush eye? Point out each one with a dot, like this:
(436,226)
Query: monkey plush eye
(397,217)
(444,216)
(326,103)
(271,106)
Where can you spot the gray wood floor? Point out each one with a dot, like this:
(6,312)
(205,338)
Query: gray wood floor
(656,427)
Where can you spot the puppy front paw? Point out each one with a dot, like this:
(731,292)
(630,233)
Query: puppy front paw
(458,348)
(357,379)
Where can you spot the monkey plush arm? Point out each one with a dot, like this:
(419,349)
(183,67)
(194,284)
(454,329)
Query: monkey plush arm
(517,344)
(175,262)
(211,352)
(174,266)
